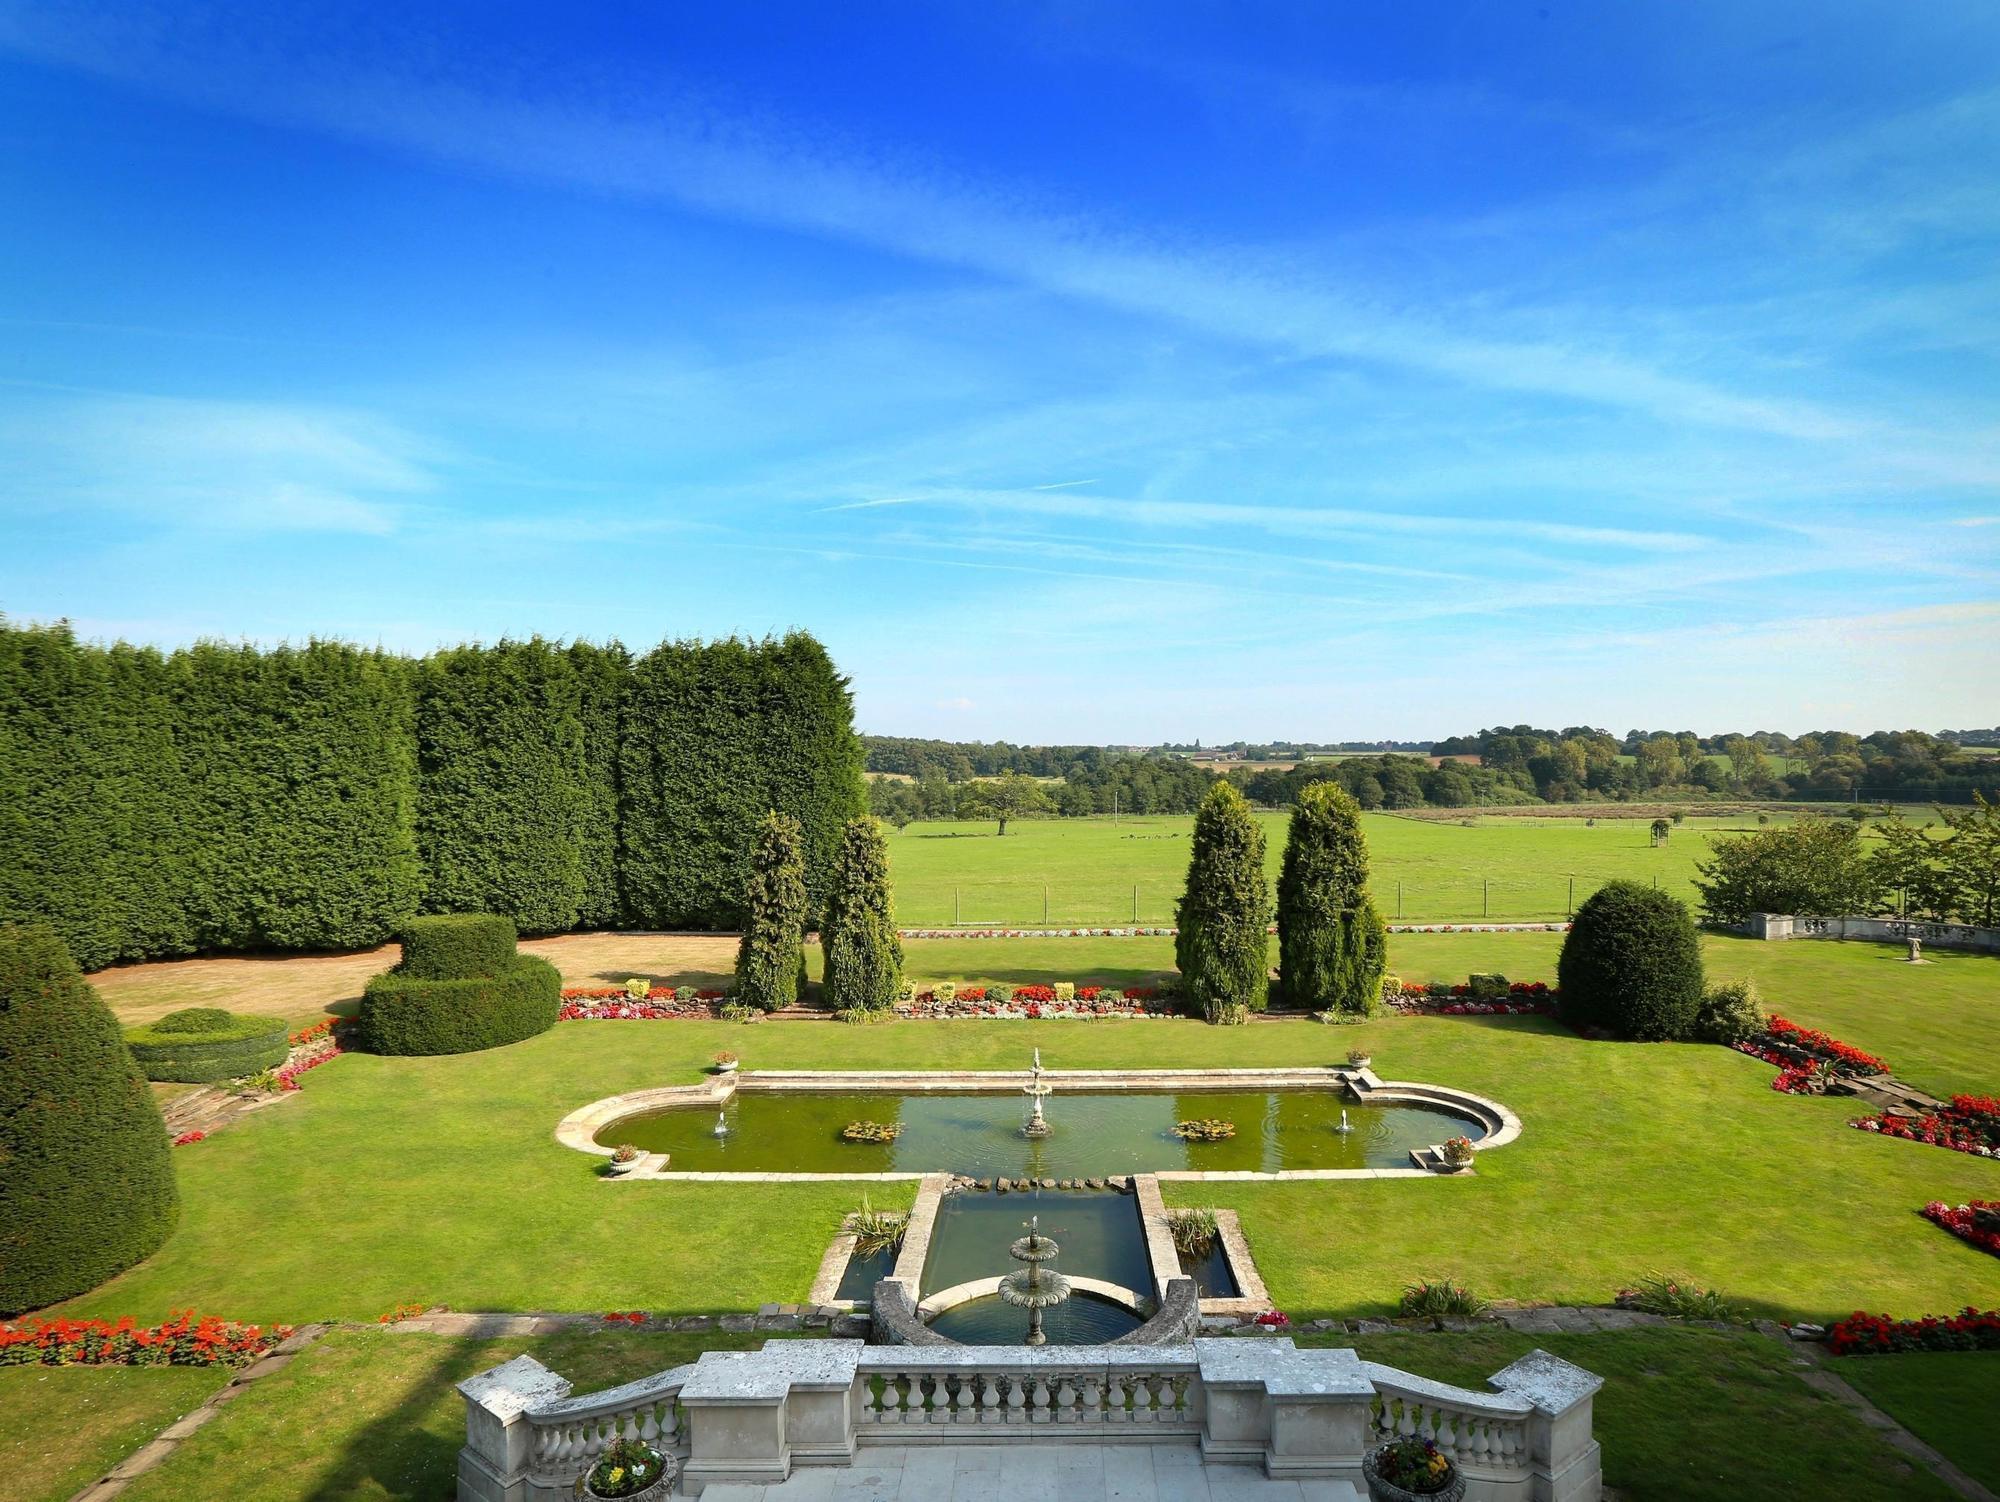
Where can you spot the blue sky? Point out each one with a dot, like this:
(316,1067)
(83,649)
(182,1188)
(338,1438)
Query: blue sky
(1076,372)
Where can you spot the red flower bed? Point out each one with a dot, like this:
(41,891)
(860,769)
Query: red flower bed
(1968,1125)
(1961,1221)
(181,1341)
(1863,1334)
(186,1138)
(625,1317)
(1843,1056)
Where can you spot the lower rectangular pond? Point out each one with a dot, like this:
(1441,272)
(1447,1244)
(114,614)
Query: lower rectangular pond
(1092,1134)
(1099,1235)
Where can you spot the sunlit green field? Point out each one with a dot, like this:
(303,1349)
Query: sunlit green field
(1096,872)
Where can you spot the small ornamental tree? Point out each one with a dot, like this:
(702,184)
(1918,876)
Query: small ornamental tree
(1661,829)
(86,1187)
(1330,939)
(1632,964)
(1814,868)
(864,956)
(771,959)
(1223,948)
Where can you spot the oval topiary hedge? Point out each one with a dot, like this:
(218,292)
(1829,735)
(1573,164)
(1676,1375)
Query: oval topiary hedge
(203,1044)
(457,946)
(1632,964)
(86,1186)
(402,1014)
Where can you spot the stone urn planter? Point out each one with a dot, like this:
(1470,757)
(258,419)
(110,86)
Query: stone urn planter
(621,1475)
(1360,1060)
(623,1162)
(1381,1490)
(727,1065)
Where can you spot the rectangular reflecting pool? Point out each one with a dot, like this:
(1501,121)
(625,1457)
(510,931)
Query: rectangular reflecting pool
(1092,1134)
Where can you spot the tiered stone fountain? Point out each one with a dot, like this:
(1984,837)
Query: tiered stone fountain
(1034,1288)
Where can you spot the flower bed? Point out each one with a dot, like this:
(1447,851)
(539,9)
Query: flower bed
(1977,1221)
(1863,1334)
(619,1004)
(1524,998)
(1807,1060)
(188,1139)
(181,1341)
(1970,1124)
(1063,1000)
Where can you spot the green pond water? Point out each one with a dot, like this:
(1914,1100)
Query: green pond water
(980,1135)
(1099,1235)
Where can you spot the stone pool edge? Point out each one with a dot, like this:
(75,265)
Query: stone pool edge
(579,1129)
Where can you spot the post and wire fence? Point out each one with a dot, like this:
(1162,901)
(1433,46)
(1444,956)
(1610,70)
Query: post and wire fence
(1058,905)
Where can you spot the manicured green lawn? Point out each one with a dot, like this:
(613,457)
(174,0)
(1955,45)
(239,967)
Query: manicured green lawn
(1097,873)
(61,1427)
(438,1180)
(369,1415)
(1693,1413)
(1684,1413)
(1946,1398)
(1938,1024)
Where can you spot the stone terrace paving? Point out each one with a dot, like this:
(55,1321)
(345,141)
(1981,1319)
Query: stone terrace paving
(1017,1472)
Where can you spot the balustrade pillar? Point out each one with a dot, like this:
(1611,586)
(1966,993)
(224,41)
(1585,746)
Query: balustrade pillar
(499,1441)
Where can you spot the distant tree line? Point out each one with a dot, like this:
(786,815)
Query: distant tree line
(1517,764)
(227,797)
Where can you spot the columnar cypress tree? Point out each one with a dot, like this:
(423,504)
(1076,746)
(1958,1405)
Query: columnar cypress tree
(86,1188)
(1223,946)
(864,954)
(770,960)
(503,789)
(1331,949)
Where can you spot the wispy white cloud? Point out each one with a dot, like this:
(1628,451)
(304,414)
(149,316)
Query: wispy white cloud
(232,466)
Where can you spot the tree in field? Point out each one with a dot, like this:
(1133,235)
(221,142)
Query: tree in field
(1972,860)
(1814,868)
(1632,964)
(1223,947)
(1661,830)
(771,958)
(1004,798)
(864,956)
(1330,939)
(86,1188)
(1910,870)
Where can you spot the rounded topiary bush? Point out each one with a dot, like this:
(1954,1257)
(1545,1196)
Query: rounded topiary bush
(457,946)
(203,1044)
(1632,964)
(403,1015)
(86,1186)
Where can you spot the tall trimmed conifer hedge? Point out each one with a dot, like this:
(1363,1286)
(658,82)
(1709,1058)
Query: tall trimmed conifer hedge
(86,1187)
(1332,944)
(318,797)
(1223,946)
(503,786)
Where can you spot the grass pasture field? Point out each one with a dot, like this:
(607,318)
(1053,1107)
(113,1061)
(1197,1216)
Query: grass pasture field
(1101,873)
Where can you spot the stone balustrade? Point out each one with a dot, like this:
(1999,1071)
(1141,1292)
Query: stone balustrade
(755,1416)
